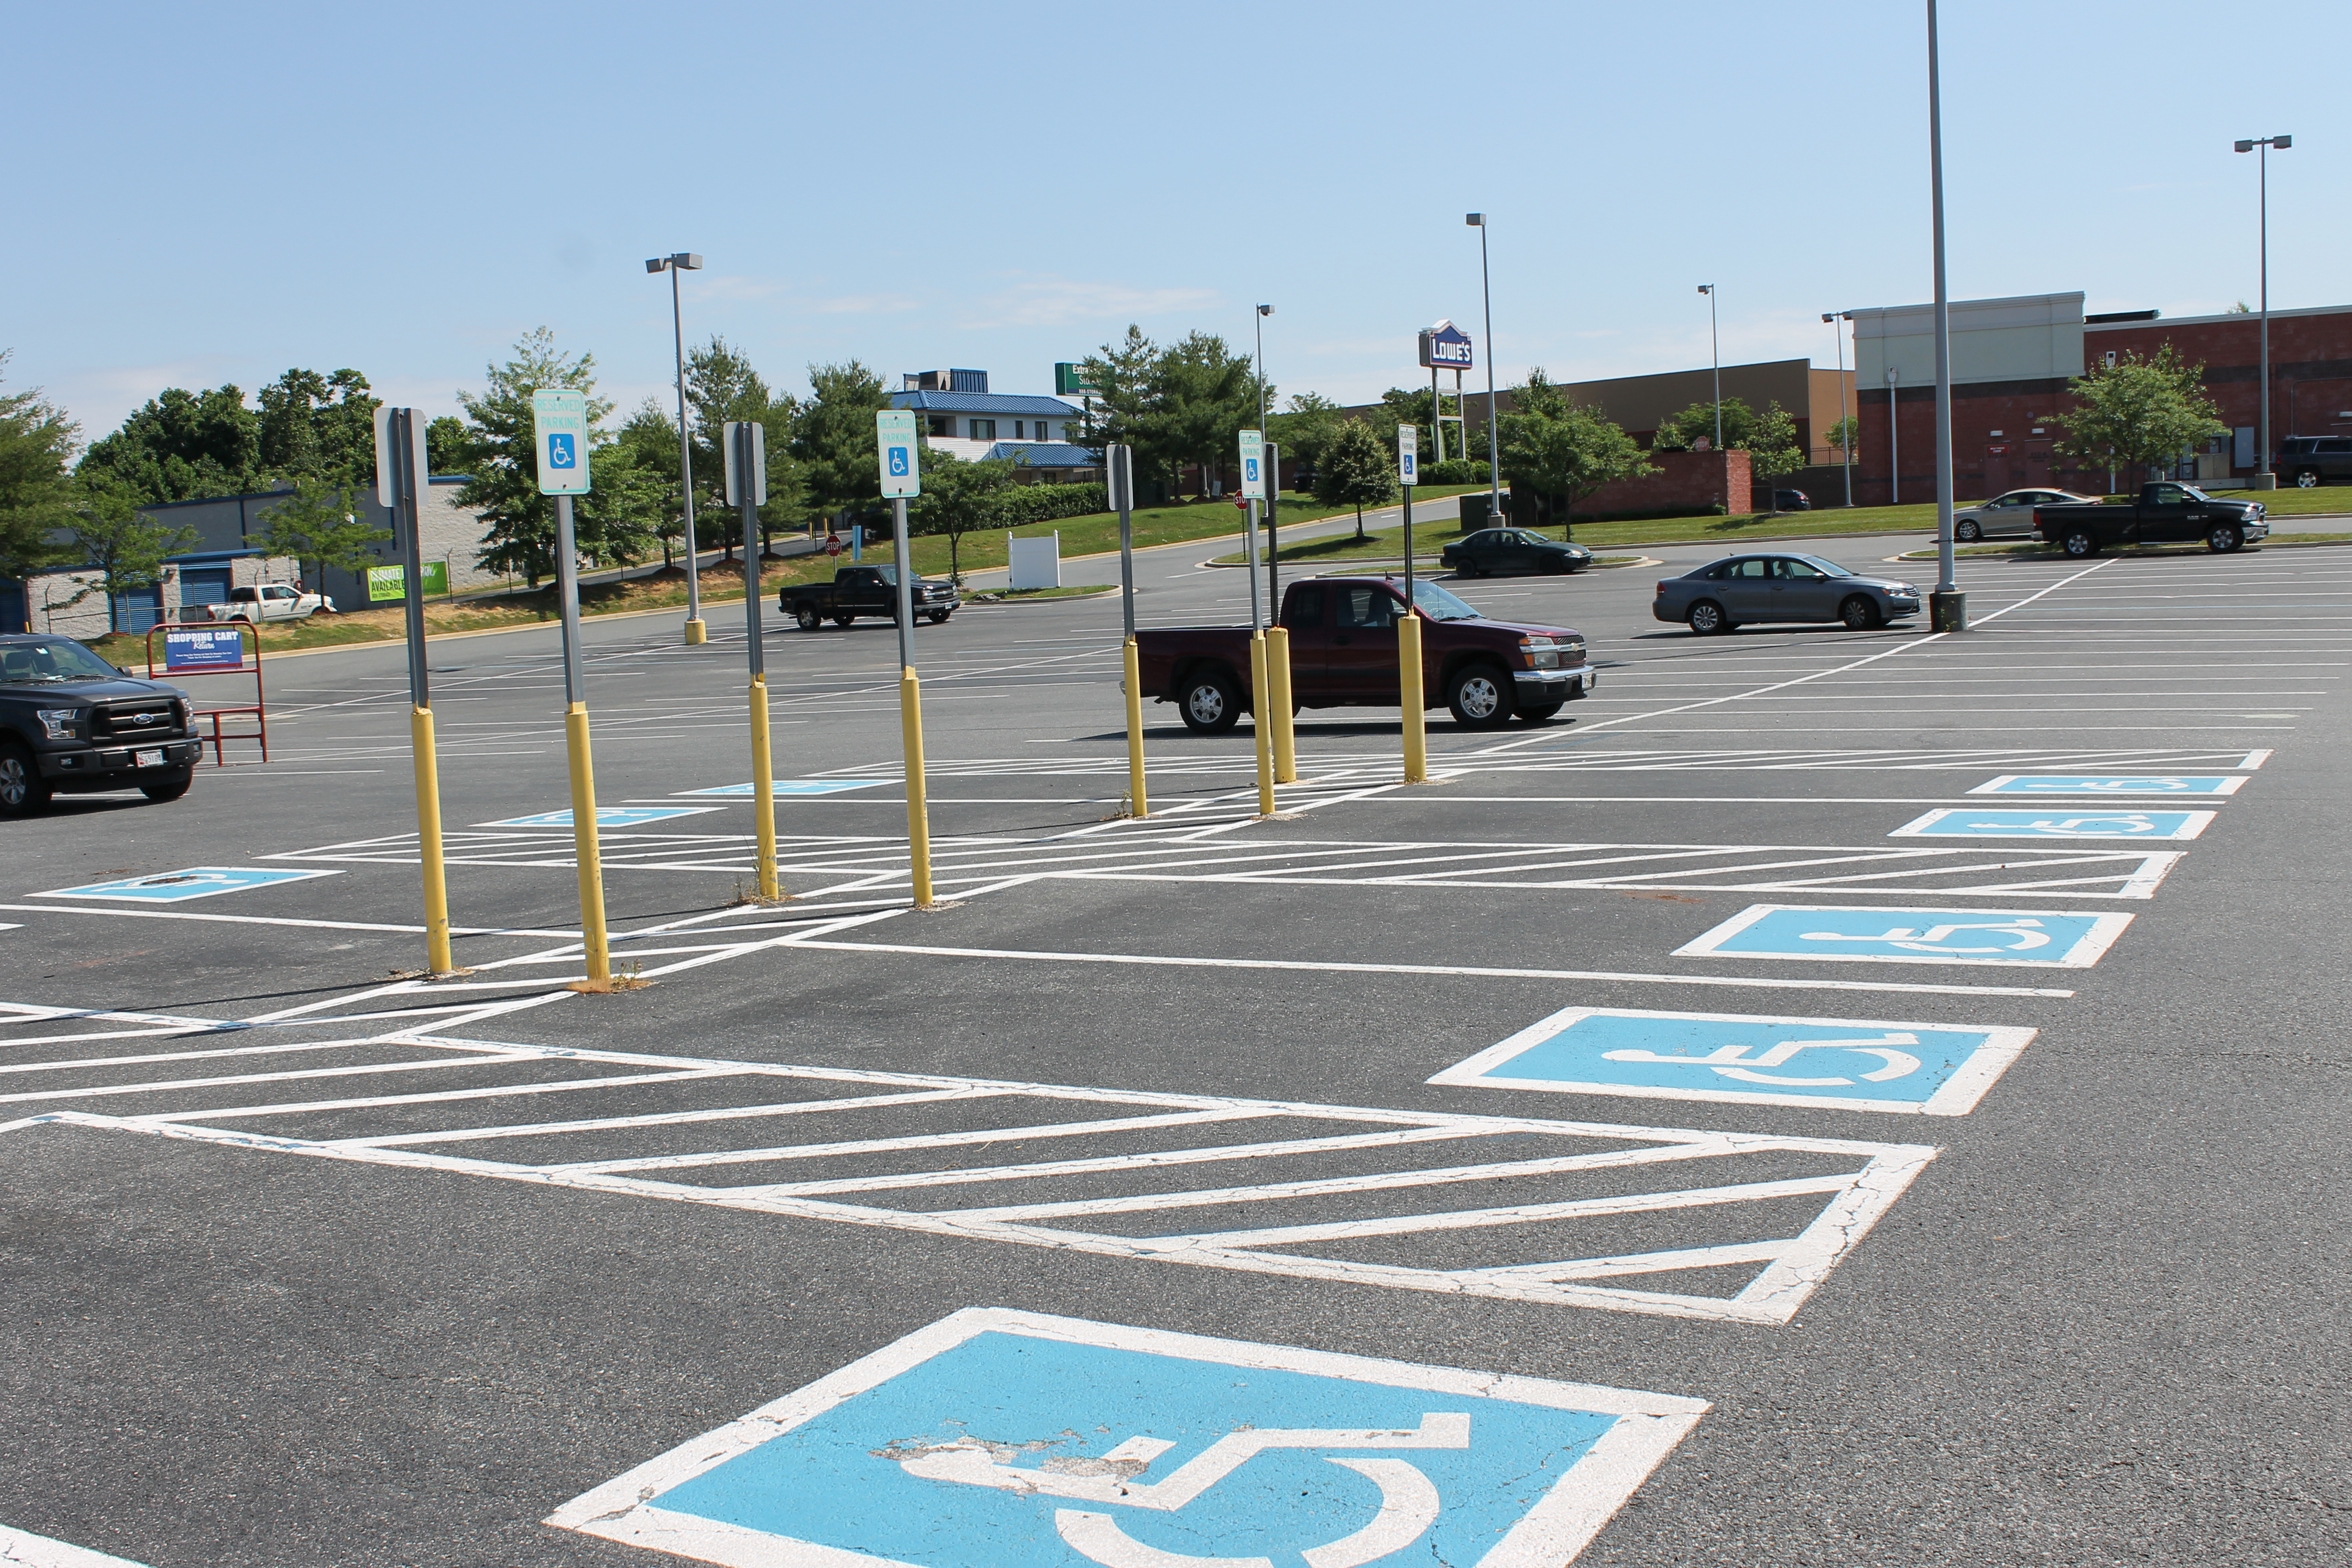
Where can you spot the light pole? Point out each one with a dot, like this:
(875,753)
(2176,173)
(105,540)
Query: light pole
(684,261)
(2263,479)
(1714,350)
(1274,473)
(1845,433)
(1494,437)
(1948,610)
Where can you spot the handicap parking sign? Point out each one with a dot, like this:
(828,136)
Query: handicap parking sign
(2059,822)
(1004,1439)
(193,882)
(560,452)
(1843,1064)
(2045,939)
(607,817)
(2109,784)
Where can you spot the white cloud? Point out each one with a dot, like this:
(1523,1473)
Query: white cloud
(1049,301)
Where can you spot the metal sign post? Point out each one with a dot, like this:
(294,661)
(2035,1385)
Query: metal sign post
(902,478)
(1263,703)
(401,481)
(746,447)
(1411,686)
(560,426)
(1273,532)
(1118,470)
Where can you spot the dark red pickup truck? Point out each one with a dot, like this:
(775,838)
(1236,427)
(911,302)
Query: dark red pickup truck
(1343,652)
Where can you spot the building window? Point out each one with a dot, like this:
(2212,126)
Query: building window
(1045,432)
(1016,429)
(983,429)
(941,425)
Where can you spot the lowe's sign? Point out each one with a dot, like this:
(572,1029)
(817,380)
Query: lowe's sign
(1444,345)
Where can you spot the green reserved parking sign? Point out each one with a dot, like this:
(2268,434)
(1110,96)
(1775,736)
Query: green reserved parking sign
(390,582)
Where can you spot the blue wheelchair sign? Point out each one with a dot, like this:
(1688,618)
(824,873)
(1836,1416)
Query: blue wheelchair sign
(1006,1439)
(2110,783)
(1842,1064)
(789,787)
(2057,822)
(2042,939)
(194,882)
(607,817)
(898,462)
(561,453)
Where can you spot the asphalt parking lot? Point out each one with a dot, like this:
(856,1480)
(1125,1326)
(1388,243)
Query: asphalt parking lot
(1889,1088)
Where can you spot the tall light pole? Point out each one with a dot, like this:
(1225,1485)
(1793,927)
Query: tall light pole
(1494,437)
(1946,608)
(2263,479)
(1274,474)
(1846,435)
(1715,348)
(684,261)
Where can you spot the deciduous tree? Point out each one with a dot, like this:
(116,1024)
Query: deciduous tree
(180,445)
(126,545)
(36,441)
(1773,451)
(320,522)
(1356,470)
(502,455)
(959,498)
(2137,412)
(1562,449)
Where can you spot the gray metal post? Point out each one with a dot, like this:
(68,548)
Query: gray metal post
(404,432)
(1846,446)
(1273,533)
(1119,468)
(1715,352)
(1437,415)
(1494,432)
(1895,437)
(685,454)
(746,461)
(567,593)
(1256,617)
(904,560)
(1408,545)
(2263,435)
(1948,609)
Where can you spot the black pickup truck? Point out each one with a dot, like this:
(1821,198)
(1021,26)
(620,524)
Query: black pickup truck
(70,721)
(857,591)
(2166,513)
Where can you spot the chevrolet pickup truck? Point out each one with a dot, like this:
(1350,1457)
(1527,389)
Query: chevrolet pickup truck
(857,591)
(2166,513)
(269,601)
(70,721)
(1343,652)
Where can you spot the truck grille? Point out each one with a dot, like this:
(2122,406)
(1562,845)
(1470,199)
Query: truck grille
(134,722)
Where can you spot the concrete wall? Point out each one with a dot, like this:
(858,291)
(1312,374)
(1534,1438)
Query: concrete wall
(1684,478)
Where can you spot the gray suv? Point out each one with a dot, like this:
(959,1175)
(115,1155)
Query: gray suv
(2308,460)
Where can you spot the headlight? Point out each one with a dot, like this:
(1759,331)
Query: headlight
(59,722)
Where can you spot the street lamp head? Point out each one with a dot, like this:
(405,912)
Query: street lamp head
(2282,142)
(1265,310)
(686,261)
(1475,220)
(654,264)
(1828,316)
(1706,288)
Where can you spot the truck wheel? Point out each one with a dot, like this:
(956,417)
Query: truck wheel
(1210,704)
(23,791)
(939,617)
(1967,531)
(1707,618)
(840,620)
(2224,538)
(1536,712)
(1859,614)
(1480,697)
(2079,543)
(807,619)
(169,789)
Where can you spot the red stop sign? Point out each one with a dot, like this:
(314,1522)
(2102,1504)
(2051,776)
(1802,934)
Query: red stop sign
(833,546)
(1241,503)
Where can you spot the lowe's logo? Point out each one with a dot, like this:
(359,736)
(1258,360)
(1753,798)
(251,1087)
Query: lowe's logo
(1443,352)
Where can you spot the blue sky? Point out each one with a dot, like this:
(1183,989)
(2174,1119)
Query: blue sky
(208,195)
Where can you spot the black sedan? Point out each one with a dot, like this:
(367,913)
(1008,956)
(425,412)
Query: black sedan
(1747,588)
(1496,550)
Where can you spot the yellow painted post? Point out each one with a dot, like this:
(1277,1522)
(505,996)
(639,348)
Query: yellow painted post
(1261,702)
(1278,670)
(697,631)
(1136,805)
(763,789)
(918,817)
(592,943)
(429,841)
(1414,693)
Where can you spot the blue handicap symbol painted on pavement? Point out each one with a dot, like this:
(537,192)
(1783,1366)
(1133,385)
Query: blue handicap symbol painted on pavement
(2056,822)
(2109,784)
(1842,1063)
(2037,938)
(607,817)
(790,786)
(1003,1439)
(560,452)
(194,882)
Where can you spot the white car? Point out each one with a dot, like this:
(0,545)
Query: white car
(2010,515)
(269,601)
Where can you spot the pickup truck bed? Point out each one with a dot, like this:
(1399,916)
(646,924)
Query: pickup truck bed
(1343,653)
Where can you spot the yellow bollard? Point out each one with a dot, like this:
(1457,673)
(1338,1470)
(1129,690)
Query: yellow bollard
(918,818)
(1410,687)
(1136,805)
(1260,703)
(696,632)
(592,942)
(1278,670)
(763,789)
(428,842)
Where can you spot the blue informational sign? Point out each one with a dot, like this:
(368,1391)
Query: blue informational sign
(2056,822)
(194,882)
(2109,784)
(1843,1064)
(790,786)
(189,649)
(1003,1439)
(2042,939)
(607,817)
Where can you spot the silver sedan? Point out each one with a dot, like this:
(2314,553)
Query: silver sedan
(2010,515)
(1751,588)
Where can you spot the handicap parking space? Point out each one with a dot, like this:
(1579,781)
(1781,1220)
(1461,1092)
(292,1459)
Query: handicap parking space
(1899,934)
(191,882)
(607,817)
(1978,824)
(2111,784)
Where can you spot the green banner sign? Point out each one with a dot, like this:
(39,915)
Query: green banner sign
(392,582)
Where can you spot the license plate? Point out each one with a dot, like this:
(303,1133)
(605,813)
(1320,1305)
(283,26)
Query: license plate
(147,758)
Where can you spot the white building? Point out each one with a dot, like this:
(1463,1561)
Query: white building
(961,417)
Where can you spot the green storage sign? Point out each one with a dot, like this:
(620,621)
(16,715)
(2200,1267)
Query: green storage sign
(392,582)
(1069,380)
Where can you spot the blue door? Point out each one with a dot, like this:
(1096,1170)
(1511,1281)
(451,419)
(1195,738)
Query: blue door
(138,610)
(199,587)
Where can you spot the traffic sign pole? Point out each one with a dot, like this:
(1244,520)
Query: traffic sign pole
(902,476)
(560,437)
(1118,469)
(747,489)
(1412,684)
(401,480)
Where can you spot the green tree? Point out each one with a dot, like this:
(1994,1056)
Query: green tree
(445,451)
(957,498)
(502,454)
(181,446)
(1845,436)
(833,436)
(321,523)
(37,495)
(1773,452)
(126,545)
(650,437)
(1684,431)
(314,426)
(1204,395)
(1306,428)
(721,386)
(618,522)
(1124,410)
(2137,412)
(1356,470)
(1561,449)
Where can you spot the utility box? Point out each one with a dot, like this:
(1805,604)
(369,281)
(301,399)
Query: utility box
(1477,515)
(1036,563)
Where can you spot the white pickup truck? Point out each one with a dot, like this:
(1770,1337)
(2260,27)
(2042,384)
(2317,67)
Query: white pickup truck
(269,601)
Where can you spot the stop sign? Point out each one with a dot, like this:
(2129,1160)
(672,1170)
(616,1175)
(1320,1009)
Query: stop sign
(833,546)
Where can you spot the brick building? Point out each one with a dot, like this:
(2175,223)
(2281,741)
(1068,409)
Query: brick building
(2011,360)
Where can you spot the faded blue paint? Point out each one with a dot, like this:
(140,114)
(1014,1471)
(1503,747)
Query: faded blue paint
(2057,821)
(2110,783)
(2032,937)
(607,817)
(193,882)
(790,786)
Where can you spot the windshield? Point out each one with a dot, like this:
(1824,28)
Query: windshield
(2193,493)
(1439,605)
(58,659)
(888,574)
(1826,568)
